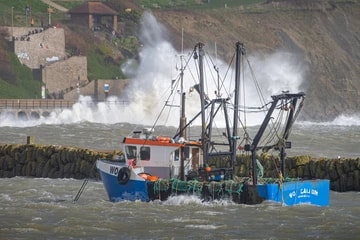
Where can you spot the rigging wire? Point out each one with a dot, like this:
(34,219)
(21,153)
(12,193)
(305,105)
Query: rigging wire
(220,85)
(284,106)
(257,85)
(176,83)
(158,117)
(296,114)
(243,87)
(274,127)
(273,130)
(177,77)
(164,92)
(171,104)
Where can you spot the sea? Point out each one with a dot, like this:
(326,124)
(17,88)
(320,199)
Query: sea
(37,208)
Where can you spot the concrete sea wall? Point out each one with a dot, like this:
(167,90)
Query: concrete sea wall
(50,161)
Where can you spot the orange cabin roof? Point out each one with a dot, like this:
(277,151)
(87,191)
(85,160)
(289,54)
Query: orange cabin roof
(163,141)
(140,141)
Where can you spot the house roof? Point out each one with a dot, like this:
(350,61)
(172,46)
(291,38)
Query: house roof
(93,8)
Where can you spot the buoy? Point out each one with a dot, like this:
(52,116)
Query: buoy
(153,178)
(163,139)
(148,177)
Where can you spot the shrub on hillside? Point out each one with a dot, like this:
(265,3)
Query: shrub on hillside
(75,43)
(5,65)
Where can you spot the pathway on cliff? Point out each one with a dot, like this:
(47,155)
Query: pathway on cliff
(54,5)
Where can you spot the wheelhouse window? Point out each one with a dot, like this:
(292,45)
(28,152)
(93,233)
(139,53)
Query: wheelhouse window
(186,153)
(145,153)
(130,152)
(176,155)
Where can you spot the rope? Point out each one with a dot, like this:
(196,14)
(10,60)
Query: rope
(233,187)
(216,189)
(195,187)
(178,185)
(161,184)
(260,169)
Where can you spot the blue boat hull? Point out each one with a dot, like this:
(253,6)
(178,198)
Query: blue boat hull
(131,191)
(309,192)
(136,188)
(312,192)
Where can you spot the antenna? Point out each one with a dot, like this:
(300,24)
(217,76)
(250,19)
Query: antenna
(218,94)
(182,41)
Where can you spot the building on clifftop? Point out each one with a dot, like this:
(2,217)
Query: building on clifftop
(96,15)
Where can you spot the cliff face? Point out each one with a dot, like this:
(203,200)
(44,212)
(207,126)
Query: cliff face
(326,35)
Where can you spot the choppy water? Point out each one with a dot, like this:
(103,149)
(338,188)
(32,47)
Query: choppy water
(44,208)
(318,140)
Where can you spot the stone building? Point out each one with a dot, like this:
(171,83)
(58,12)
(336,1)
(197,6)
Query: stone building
(66,76)
(36,47)
(95,15)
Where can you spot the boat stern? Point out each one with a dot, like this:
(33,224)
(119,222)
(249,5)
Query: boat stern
(307,192)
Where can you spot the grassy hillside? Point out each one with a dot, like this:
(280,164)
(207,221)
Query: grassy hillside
(191,4)
(14,12)
(16,80)
(103,57)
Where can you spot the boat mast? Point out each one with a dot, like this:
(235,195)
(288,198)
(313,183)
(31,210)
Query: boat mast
(240,50)
(182,114)
(204,141)
(183,95)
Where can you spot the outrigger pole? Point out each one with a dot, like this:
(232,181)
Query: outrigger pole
(281,144)
(285,144)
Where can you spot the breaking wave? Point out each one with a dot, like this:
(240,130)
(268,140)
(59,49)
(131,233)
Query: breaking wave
(151,79)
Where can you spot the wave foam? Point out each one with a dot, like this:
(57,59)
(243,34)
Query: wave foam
(341,120)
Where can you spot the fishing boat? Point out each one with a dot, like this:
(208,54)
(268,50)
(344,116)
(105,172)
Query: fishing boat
(157,167)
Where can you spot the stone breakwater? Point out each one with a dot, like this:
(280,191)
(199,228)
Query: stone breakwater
(344,174)
(50,161)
